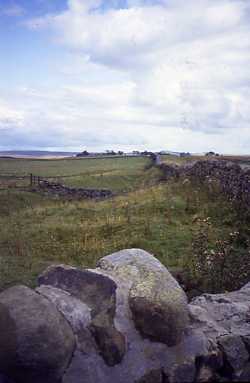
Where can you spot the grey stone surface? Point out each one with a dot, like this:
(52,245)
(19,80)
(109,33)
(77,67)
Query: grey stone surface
(77,313)
(234,351)
(154,376)
(98,292)
(205,374)
(221,314)
(36,341)
(95,290)
(157,302)
(225,319)
(183,372)
(245,375)
(86,369)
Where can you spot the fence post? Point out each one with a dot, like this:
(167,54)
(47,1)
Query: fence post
(31,179)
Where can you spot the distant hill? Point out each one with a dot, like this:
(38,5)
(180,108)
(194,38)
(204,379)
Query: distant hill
(34,154)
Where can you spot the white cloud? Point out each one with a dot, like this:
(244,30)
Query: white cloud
(9,116)
(172,73)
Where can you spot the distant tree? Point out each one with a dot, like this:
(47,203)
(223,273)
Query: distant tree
(210,154)
(120,152)
(183,154)
(146,153)
(83,154)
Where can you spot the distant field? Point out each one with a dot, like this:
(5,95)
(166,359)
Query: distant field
(243,161)
(117,174)
(170,159)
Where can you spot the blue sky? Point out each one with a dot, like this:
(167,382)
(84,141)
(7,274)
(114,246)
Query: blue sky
(125,74)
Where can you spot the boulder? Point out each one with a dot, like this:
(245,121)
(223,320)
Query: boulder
(245,375)
(77,313)
(235,353)
(37,343)
(93,289)
(98,292)
(221,314)
(154,376)
(225,320)
(87,368)
(157,302)
(183,372)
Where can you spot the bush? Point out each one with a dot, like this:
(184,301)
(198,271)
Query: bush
(219,265)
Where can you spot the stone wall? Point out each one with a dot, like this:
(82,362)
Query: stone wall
(57,189)
(127,321)
(233,181)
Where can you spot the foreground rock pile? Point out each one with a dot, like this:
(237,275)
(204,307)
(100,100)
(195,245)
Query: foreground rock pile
(127,321)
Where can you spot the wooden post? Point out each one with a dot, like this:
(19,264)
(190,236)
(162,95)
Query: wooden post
(31,179)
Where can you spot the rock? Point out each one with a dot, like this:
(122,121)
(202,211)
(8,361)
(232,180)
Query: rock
(184,372)
(99,293)
(111,343)
(246,340)
(95,309)
(77,313)
(245,375)
(221,314)
(205,374)
(234,351)
(36,341)
(86,369)
(157,302)
(154,376)
(93,289)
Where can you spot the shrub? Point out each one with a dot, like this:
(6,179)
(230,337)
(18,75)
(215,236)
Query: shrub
(222,264)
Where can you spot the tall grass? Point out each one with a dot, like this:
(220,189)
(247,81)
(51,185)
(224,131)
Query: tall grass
(36,231)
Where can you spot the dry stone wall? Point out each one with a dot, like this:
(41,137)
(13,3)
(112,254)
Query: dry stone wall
(233,181)
(127,321)
(57,189)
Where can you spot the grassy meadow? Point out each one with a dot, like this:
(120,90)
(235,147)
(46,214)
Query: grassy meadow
(37,230)
(118,174)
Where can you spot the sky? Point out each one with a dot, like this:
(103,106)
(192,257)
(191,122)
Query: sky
(125,75)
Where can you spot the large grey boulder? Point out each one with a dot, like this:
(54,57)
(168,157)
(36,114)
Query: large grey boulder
(36,342)
(144,360)
(157,302)
(98,292)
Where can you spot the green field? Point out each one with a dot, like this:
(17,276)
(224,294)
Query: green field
(36,230)
(117,174)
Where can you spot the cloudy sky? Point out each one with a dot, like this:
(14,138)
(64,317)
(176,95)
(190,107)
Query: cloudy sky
(125,74)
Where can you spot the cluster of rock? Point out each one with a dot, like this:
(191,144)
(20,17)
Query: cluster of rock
(127,321)
(59,190)
(233,180)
